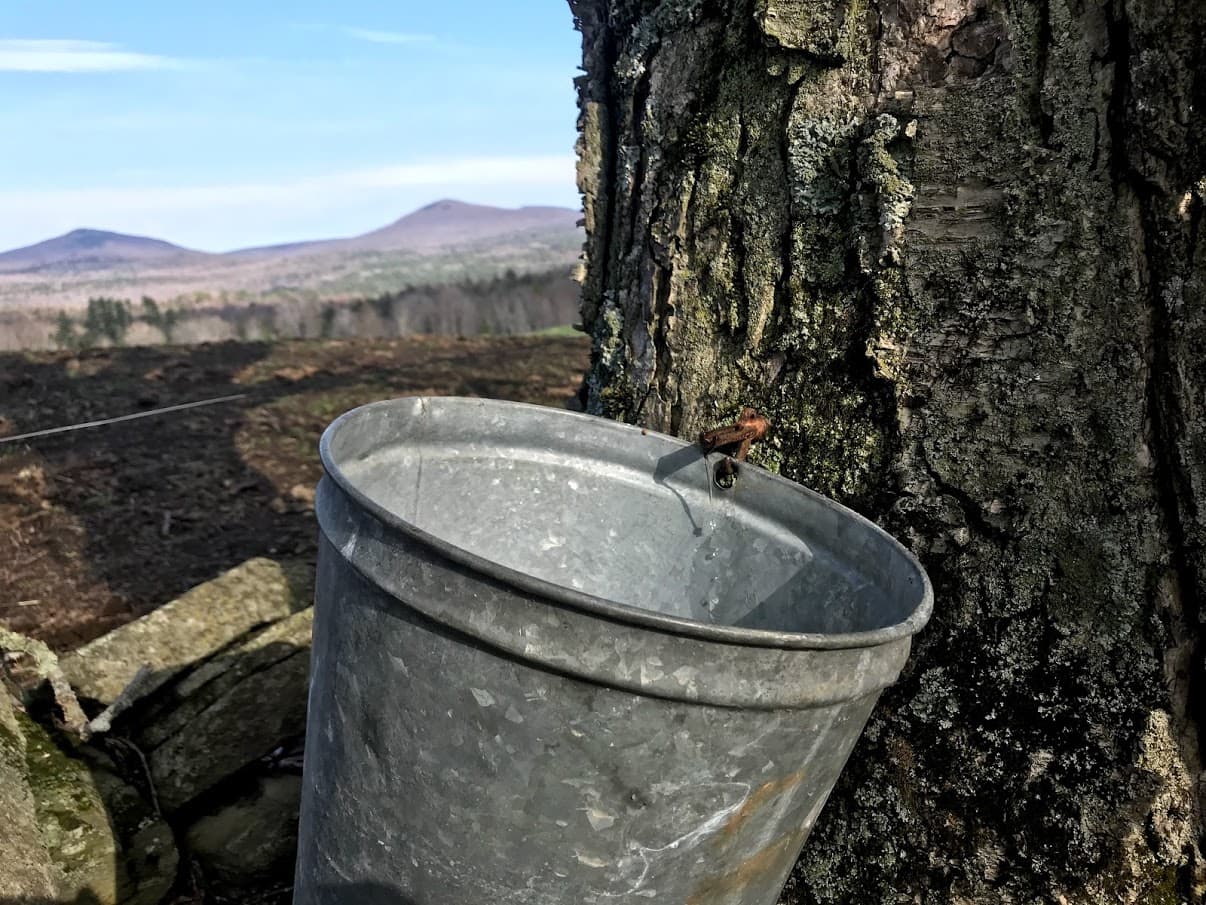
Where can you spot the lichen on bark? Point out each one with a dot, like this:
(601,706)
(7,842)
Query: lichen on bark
(949,250)
(743,209)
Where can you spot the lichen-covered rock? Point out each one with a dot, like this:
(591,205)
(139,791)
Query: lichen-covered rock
(80,842)
(25,870)
(179,704)
(256,701)
(191,628)
(252,840)
(73,831)
(222,677)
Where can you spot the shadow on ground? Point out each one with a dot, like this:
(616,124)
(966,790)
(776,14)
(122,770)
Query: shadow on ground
(100,526)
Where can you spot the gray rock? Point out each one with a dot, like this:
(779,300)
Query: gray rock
(81,845)
(73,830)
(252,840)
(239,715)
(172,712)
(149,859)
(220,681)
(188,630)
(24,861)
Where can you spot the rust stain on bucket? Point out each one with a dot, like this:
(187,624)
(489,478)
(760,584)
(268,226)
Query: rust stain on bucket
(769,862)
(758,799)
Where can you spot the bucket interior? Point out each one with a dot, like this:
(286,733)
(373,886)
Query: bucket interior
(634,519)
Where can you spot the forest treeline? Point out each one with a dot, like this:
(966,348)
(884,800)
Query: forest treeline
(511,303)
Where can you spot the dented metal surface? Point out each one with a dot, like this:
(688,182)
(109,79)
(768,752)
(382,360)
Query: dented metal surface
(554,663)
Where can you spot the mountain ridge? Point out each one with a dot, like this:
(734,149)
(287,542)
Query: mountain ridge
(442,242)
(440,225)
(87,248)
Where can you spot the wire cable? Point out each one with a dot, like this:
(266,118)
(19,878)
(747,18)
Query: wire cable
(86,425)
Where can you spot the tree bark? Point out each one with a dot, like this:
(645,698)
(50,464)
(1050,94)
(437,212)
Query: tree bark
(949,249)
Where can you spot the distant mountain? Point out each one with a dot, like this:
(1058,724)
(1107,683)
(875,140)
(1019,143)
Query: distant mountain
(439,226)
(447,223)
(445,242)
(94,249)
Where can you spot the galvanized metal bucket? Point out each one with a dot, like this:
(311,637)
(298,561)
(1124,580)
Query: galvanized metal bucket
(555,664)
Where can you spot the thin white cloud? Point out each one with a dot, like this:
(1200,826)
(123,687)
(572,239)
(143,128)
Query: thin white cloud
(387,37)
(74,56)
(473,171)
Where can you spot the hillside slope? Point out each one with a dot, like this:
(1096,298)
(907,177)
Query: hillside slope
(93,250)
(444,242)
(442,225)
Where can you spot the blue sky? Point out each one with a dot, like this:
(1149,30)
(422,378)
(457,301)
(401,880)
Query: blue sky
(230,123)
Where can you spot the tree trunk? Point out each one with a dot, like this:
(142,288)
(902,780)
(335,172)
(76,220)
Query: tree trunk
(949,250)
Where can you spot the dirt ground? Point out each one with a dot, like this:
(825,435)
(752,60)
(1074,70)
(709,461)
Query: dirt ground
(100,526)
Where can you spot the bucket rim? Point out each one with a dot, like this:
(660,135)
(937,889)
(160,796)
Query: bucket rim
(610,609)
